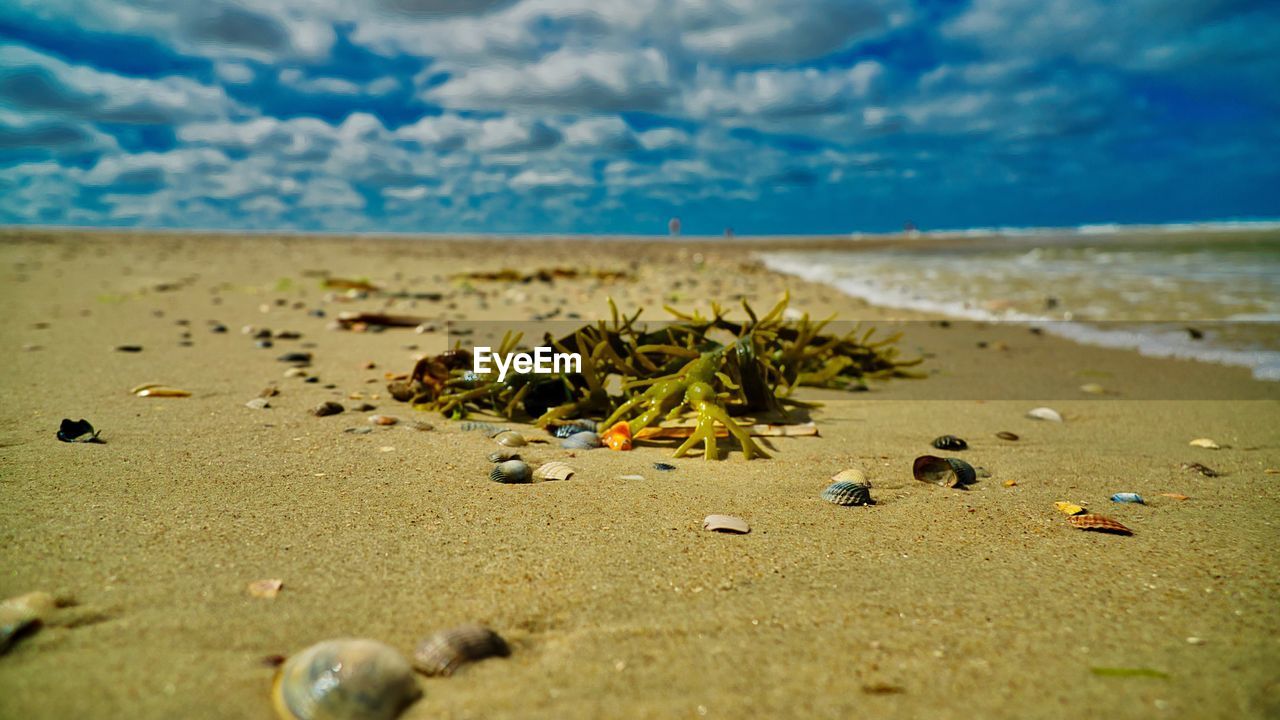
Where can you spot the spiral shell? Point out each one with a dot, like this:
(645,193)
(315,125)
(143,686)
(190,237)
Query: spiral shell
(445,651)
(848,493)
(947,472)
(510,438)
(553,471)
(585,440)
(347,678)
(511,471)
(1099,523)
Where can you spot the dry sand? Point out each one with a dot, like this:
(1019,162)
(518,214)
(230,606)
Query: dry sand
(934,603)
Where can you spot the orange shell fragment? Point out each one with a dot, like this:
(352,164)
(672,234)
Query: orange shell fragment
(618,437)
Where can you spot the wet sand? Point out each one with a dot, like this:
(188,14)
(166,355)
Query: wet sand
(933,603)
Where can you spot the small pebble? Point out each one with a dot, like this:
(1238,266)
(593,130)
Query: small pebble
(263,344)
(303,358)
(366,407)
(258,403)
(129,348)
(364,430)
(328,407)
(383,420)
(218,328)
(295,372)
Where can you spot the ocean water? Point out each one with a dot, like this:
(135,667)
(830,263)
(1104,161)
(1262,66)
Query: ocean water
(1149,289)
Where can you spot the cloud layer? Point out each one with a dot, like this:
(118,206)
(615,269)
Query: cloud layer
(613,115)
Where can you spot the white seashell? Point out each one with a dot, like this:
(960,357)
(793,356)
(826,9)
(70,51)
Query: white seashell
(1205,443)
(553,471)
(853,475)
(726,524)
(1044,413)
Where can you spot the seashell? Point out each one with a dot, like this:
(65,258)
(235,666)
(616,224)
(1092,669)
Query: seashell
(1202,469)
(618,437)
(295,372)
(511,471)
(510,438)
(1093,389)
(569,427)
(421,426)
(630,477)
(359,430)
(1010,483)
(22,614)
(1205,443)
(258,403)
(947,472)
(852,475)
(446,651)
(950,442)
(266,589)
(327,407)
(1175,496)
(848,493)
(162,391)
(1069,508)
(383,419)
(1099,523)
(1044,413)
(77,431)
(347,678)
(487,428)
(297,358)
(1128,498)
(664,467)
(1006,435)
(726,524)
(499,456)
(585,440)
(553,471)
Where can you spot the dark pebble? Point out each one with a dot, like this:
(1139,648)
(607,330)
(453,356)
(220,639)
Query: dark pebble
(296,357)
(219,328)
(364,407)
(129,348)
(264,344)
(328,407)
(312,379)
(185,343)
(287,335)
(950,442)
(262,334)
(316,313)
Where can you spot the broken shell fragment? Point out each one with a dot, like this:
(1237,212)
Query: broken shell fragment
(511,472)
(1205,443)
(77,431)
(852,475)
(1128,498)
(1044,413)
(950,442)
(553,471)
(446,651)
(327,407)
(510,438)
(848,494)
(726,524)
(1099,523)
(22,614)
(947,472)
(585,440)
(348,678)
(1069,508)
(265,589)
(618,437)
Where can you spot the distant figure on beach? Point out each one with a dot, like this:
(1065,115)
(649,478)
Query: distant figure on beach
(728,233)
(673,226)
(909,229)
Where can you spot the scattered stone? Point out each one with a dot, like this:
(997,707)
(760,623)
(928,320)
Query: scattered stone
(299,358)
(327,407)
(263,344)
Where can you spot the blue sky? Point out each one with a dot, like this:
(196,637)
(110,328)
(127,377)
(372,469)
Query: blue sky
(548,116)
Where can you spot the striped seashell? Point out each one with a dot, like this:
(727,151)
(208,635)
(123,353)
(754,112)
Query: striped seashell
(499,456)
(1099,523)
(848,493)
(510,438)
(586,440)
(726,524)
(950,442)
(511,472)
(852,475)
(344,679)
(446,651)
(569,427)
(947,472)
(487,428)
(553,471)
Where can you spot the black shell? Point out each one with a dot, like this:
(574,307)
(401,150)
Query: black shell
(950,442)
(947,472)
(77,431)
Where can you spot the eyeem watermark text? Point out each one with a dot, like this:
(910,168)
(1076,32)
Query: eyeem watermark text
(541,361)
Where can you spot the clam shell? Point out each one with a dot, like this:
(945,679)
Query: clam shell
(445,651)
(511,471)
(510,438)
(848,493)
(1099,523)
(328,407)
(852,475)
(1205,443)
(500,456)
(553,471)
(347,678)
(569,427)
(1128,498)
(585,440)
(947,472)
(22,613)
(487,428)
(1006,435)
(950,442)
(726,524)
(1044,413)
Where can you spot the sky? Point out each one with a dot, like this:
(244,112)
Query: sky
(612,116)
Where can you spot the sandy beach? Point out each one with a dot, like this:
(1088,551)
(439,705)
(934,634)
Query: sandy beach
(934,603)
